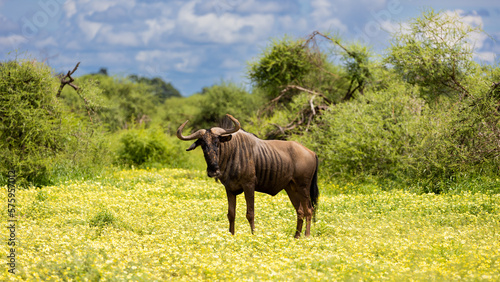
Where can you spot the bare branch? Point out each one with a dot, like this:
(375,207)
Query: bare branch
(306,90)
(337,42)
(312,106)
(67,79)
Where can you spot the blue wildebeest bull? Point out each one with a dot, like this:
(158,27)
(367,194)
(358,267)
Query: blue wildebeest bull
(245,163)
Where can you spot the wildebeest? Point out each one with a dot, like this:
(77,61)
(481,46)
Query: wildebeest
(245,164)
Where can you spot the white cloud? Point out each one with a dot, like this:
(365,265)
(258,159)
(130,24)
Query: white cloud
(332,24)
(226,28)
(90,29)
(12,41)
(231,63)
(322,9)
(91,6)
(74,45)
(7,25)
(241,6)
(476,39)
(107,34)
(113,58)
(49,41)
(183,61)
(157,27)
(252,6)
(70,8)
(324,18)
(472,19)
(392,26)
(299,25)
(81,11)
(488,57)
(372,4)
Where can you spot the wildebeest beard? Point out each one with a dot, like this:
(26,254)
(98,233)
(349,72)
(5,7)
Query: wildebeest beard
(210,151)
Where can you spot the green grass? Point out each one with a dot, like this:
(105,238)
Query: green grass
(171,224)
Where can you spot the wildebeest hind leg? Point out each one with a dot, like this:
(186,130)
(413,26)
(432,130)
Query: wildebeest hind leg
(294,198)
(305,204)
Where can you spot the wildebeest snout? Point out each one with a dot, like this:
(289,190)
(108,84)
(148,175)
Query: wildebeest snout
(215,173)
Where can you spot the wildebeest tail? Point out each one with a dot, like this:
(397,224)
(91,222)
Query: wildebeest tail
(314,191)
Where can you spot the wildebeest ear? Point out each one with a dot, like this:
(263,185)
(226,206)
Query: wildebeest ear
(193,146)
(226,138)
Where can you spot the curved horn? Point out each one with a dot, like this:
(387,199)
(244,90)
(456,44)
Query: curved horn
(193,136)
(222,131)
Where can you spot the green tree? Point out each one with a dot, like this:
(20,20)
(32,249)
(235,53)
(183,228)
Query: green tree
(301,80)
(123,102)
(435,52)
(285,62)
(226,98)
(429,116)
(161,89)
(38,131)
(176,110)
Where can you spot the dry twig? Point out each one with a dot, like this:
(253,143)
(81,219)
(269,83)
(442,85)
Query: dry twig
(67,79)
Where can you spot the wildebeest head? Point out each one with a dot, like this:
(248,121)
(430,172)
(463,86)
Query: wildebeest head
(209,140)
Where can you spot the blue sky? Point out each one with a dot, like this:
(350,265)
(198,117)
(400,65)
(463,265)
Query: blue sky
(193,44)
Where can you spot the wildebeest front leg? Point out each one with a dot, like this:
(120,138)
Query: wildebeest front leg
(231,209)
(249,198)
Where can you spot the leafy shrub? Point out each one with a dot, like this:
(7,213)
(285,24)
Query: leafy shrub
(393,135)
(151,147)
(434,52)
(40,136)
(284,62)
(225,98)
(102,218)
(372,135)
(175,111)
(141,145)
(30,120)
(123,102)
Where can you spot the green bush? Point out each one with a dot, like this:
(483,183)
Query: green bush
(393,135)
(102,218)
(372,135)
(30,118)
(285,61)
(123,102)
(138,146)
(175,111)
(40,137)
(150,147)
(434,52)
(226,98)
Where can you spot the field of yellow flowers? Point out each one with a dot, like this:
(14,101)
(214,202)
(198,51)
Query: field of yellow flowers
(171,224)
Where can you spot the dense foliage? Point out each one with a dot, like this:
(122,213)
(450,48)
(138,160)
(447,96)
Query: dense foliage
(39,134)
(422,114)
(426,132)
